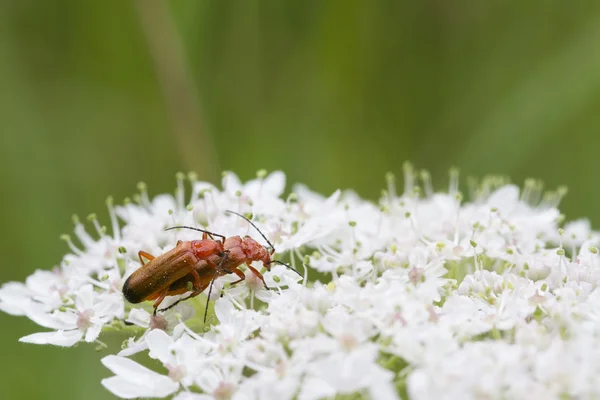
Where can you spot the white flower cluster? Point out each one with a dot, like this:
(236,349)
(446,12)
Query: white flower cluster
(420,296)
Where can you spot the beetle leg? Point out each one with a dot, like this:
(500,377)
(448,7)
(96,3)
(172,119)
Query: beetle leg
(198,287)
(258,275)
(240,274)
(219,266)
(159,299)
(197,280)
(148,256)
(207,235)
(193,294)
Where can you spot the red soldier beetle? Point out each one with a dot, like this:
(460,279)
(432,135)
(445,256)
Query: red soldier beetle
(195,265)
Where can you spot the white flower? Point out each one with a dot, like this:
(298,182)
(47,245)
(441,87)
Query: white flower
(91,312)
(132,380)
(171,323)
(45,288)
(423,294)
(344,373)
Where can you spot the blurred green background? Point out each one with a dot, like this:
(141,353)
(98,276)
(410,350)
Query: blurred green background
(96,96)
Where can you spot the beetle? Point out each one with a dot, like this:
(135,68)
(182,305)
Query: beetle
(195,265)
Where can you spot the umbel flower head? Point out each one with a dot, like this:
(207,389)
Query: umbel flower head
(422,295)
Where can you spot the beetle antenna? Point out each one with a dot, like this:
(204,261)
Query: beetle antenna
(287,266)
(255,227)
(217,270)
(195,229)
(209,291)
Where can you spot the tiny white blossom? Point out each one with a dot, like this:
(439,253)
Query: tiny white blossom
(422,295)
(84,321)
(132,380)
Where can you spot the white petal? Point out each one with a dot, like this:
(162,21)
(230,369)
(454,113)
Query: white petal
(159,344)
(83,236)
(85,298)
(224,310)
(93,332)
(274,184)
(126,389)
(417,384)
(383,390)
(135,380)
(161,204)
(11,309)
(307,195)
(504,199)
(58,338)
(14,298)
(192,396)
(42,281)
(231,183)
(139,317)
(315,388)
(333,199)
(133,347)
(56,320)
(198,187)
(577,231)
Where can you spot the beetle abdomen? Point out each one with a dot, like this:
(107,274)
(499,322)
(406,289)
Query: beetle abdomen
(131,295)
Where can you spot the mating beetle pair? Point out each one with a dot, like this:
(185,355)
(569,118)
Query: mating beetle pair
(195,265)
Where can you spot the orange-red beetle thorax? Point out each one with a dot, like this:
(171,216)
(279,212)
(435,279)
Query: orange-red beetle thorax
(255,251)
(207,247)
